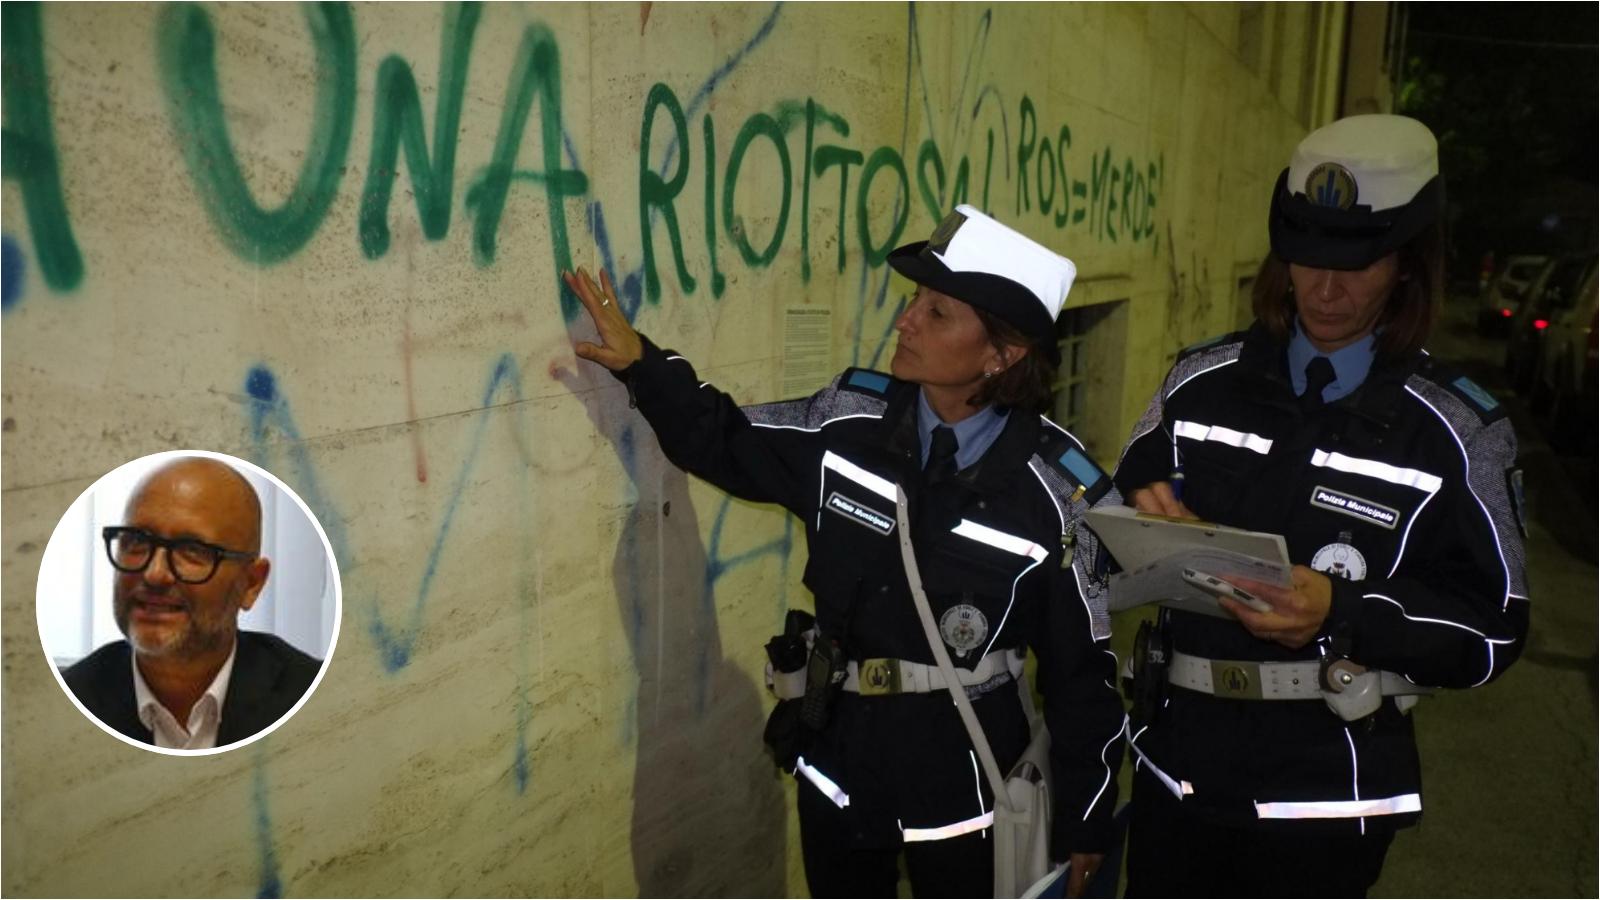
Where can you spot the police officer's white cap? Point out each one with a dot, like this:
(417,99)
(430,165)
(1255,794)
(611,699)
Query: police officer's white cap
(979,261)
(1356,190)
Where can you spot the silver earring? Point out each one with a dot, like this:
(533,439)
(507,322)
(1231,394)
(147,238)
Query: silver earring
(987,373)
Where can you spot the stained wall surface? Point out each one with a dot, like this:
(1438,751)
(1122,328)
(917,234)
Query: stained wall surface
(326,238)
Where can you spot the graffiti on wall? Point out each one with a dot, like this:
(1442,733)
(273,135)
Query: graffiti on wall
(798,153)
(1090,190)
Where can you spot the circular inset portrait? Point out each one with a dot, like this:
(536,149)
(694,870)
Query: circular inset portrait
(189,602)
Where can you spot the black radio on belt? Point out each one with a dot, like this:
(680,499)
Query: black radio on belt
(825,673)
(1152,654)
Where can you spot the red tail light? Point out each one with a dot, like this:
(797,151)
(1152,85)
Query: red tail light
(1505,313)
(1540,324)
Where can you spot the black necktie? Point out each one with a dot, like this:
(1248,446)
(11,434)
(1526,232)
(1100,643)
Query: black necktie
(941,455)
(1319,374)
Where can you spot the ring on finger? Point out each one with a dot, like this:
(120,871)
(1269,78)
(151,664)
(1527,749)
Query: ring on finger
(605,301)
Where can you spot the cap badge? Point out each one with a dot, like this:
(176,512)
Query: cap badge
(1331,184)
(940,241)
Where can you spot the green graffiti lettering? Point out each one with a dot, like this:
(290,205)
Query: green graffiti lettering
(537,73)
(1156,175)
(28,146)
(1027,132)
(788,113)
(1063,142)
(657,193)
(988,170)
(829,155)
(929,152)
(1150,200)
(397,118)
(805,193)
(758,125)
(718,282)
(1100,171)
(1127,190)
(1046,200)
(1111,200)
(187,50)
(958,191)
(883,156)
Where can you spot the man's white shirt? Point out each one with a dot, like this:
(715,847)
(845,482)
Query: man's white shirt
(200,732)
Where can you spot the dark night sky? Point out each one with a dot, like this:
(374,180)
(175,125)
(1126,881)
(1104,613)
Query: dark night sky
(1511,91)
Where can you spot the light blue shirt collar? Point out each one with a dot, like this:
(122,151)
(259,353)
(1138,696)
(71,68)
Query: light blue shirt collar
(974,434)
(1350,364)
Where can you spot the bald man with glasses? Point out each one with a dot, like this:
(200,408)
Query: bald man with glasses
(188,561)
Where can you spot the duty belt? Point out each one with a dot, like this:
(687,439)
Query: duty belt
(1247,680)
(882,677)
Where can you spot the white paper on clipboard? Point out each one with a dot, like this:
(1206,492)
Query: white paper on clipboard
(1154,550)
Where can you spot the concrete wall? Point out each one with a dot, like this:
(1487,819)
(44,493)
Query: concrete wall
(327,239)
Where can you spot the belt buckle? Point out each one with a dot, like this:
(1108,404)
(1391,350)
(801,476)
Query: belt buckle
(1235,679)
(879,677)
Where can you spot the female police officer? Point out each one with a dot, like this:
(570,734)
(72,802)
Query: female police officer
(1274,756)
(995,491)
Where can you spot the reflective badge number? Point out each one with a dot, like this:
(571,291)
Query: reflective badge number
(859,513)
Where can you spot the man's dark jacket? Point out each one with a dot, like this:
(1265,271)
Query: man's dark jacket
(269,678)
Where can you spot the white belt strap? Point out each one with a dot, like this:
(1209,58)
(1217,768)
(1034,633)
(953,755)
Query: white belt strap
(1245,680)
(921,678)
(954,829)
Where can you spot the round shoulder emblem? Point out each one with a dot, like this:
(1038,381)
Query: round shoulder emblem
(963,627)
(1331,184)
(1340,561)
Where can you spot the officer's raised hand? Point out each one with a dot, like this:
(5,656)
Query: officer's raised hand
(1297,612)
(619,345)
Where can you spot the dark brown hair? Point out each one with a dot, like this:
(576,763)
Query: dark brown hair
(1025,384)
(1408,314)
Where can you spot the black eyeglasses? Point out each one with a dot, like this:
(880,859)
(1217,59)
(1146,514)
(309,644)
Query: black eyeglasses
(191,561)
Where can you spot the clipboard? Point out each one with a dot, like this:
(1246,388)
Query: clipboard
(1154,550)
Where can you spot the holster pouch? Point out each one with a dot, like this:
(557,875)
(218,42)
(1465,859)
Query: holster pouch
(787,658)
(782,734)
(1147,689)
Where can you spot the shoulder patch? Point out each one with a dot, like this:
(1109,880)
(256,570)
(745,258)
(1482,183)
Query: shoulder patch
(1470,393)
(1063,454)
(1208,343)
(1467,388)
(866,381)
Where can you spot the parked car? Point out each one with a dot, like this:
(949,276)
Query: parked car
(1564,390)
(1500,301)
(1554,292)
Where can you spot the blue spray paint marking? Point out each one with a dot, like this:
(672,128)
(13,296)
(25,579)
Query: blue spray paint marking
(269,410)
(11,268)
(717,566)
(271,883)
